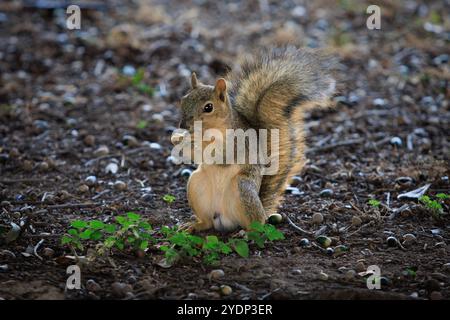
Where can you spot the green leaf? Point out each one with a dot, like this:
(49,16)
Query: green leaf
(86,234)
(142,124)
(96,224)
(225,249)
(257,226)
(110,228)
(96,235)
(241,247)
(121,220)
(110,241)
(145,225)
(442,196)
(73,232)
(374,203)
(133,216)
(169,198)
(66,239)
(120,244)
(143,245)
(79,224)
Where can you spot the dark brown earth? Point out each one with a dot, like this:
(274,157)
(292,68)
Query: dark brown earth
(62,97)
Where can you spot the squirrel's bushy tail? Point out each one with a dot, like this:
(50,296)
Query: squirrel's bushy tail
(272,90)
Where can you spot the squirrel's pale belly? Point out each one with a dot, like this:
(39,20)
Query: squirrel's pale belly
(214,196)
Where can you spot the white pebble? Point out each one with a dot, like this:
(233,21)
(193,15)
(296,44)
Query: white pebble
(112,168)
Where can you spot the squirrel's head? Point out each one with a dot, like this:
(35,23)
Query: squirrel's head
(208,104)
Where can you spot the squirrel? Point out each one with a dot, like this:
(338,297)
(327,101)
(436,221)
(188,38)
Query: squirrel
(271,90)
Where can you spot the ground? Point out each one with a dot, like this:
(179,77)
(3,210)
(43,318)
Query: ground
(65,93)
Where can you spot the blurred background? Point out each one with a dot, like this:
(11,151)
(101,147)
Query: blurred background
(86,115)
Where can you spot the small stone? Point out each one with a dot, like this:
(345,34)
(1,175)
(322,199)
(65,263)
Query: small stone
(101,151)
(435,295)
(326,193)
(324,241)
(216,274)
(446,267)
(350,274)
(14,153)
(131,280)
(330,251)
(48,252)
(295,181)
(43,166)
(317,218)
(120,289)
(112,168)
(323,276)
(225,290)
(90,181)
(298,11)
(385,281)
(360,266)
(89,140)
(296,272)
(409,238)
(155,146)
(130,141)
(340,250)
(396,141)
(356,221)
(27,165)
(93,286)
(414,295)
(392,242)
(120,185)
(379,102)
(4,268)
(129,70)
(186,173)
(294,191)
(275,218)
(304,242)
(83,188)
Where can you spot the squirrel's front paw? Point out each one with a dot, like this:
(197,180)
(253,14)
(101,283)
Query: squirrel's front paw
(189,227)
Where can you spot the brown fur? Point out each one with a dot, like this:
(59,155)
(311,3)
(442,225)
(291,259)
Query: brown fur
(272,90)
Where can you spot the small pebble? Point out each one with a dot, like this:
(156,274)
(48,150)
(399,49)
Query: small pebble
(90,181)
(360,266)
(326,193)
(225,290)
(435,295)
(43,166)
(379,102)
(392,242)
(83,188)
(296,272)
(27,165)
(130,141)
(324,241)
(356,221)
(323,276)
(275,218)
(304,242)
(384,281)
(409,238)
(120,185)
(446,267)
(294,191)
(186,173)
(155,146)
(4,268)
(120,289)
(14,153)
(295,181)
(216,274)
(317,218)
(350,274)
(48,252)
(101,151)
(330,251)
(89,140)
(396,141)
(112,168)
(93,286)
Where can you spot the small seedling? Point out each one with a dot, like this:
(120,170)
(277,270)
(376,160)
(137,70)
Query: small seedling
(131,232)
(142,124)
(374,203)
(169,198)
(434,205)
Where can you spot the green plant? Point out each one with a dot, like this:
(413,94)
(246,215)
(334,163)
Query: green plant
(169,198)
(434,205)
(374,203)
(142,124)
(131,232)
(137,81)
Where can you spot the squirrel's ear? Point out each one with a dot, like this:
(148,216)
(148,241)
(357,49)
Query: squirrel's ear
(194,81)
(221,89)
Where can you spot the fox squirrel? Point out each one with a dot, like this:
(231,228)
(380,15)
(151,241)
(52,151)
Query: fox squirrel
(271,90)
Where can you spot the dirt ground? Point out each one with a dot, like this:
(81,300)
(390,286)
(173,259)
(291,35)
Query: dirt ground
(63,96)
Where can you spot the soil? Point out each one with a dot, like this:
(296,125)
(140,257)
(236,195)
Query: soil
(63,95)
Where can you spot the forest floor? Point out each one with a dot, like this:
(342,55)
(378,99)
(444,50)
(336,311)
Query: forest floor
(64,95)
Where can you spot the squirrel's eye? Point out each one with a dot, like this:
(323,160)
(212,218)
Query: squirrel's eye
(208,108)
